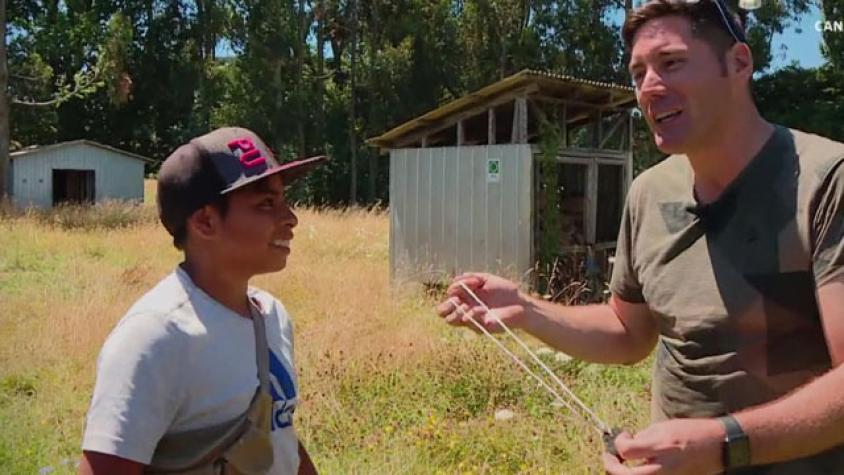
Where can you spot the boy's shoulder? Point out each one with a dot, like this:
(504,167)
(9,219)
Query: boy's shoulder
(167,295)
(177,313)
(266,301)
(272,308)
(161,317)
(177,300)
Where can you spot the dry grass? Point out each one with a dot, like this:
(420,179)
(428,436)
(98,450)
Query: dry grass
(386,388)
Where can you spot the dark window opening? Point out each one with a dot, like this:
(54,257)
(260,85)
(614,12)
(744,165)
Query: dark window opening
(444,138)
(504,123)
(73,186)
(610,186)
(561,208)
(572,180)
(475,129)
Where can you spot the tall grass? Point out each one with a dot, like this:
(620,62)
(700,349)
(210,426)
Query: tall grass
(386,387)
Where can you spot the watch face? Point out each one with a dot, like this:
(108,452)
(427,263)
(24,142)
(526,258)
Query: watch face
(736,444)
(739,452)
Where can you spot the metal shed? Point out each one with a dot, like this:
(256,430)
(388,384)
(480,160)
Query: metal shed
(81,171)
(467,191)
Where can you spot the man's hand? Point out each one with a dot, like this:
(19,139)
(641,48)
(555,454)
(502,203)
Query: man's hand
(499,294)
(678,446)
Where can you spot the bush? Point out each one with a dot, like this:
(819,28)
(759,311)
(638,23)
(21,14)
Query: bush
(6,209)
(105,215)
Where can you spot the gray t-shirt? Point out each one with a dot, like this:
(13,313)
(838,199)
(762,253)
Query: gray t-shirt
(732,284)
(179,360)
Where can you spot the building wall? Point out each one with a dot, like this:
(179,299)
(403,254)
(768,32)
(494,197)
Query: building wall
(10,182)
(117,177)
(446,217)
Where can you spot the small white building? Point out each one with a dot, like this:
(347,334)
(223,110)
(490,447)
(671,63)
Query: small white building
(80,171)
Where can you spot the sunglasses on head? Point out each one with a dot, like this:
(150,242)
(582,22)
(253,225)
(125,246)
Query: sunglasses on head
(726,19)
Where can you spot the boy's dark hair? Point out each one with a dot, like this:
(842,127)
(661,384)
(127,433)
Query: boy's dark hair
(704,16)
(180,233)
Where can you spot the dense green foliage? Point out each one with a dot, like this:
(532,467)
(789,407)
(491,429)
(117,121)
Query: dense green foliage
(323,75)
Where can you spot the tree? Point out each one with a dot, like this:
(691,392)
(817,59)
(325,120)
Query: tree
(834,40)
(821,115)
(311,75)
(105,68)
(768,21)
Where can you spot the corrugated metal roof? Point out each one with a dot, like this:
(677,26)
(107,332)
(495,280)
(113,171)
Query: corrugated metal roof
(41,148)
(574,80)
(543,79)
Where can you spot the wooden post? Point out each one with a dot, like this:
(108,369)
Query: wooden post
(600,138)
(591,200)
(461,134)
(523,125)
(519,132)
(490,132)
(564,129)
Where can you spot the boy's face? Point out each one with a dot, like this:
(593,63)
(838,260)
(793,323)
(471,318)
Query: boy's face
(680,84)
(255,234)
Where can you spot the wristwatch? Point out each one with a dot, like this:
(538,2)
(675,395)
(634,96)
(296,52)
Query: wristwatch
(735,451)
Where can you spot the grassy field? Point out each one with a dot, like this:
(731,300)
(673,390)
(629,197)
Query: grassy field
(385,386)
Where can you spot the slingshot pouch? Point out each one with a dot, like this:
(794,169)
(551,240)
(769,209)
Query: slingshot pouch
(609,441)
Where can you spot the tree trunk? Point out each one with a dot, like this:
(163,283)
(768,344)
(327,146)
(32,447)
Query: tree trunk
(320,67)
(202,28)
(278,91)
(301,39)
(353,177)
(322,195)
(374,44)
(4,107)
(203,15)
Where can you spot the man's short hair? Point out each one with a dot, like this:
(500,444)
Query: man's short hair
(704,16)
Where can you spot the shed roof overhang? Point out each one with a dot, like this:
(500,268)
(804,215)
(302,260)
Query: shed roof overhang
(545,85)
(33,150)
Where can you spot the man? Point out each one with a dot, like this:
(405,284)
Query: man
(177,378)
(729,262)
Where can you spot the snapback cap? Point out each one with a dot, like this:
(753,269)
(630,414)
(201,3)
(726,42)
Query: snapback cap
(207,167)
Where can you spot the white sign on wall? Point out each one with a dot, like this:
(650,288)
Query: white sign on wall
(493,170)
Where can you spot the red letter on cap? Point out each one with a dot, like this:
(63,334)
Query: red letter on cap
(250,156)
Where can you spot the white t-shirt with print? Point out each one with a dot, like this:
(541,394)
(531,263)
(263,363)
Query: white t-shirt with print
(179,360)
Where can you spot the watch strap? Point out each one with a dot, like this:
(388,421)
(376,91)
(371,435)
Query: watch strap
(736,447)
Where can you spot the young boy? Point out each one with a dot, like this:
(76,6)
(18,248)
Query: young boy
(181,366)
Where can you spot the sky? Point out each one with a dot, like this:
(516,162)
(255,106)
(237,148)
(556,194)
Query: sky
(802,47)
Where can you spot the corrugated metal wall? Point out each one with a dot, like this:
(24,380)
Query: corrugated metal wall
(117,177)
(10,182)
(446,217)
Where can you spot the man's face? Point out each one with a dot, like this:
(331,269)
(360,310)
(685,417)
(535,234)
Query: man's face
(256,231)
(680,84)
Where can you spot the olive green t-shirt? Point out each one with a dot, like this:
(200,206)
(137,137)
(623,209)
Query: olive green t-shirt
(732,284)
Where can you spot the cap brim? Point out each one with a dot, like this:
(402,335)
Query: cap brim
(290,172)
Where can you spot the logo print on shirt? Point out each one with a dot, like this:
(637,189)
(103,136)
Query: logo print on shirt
(250,156)
(283,392)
